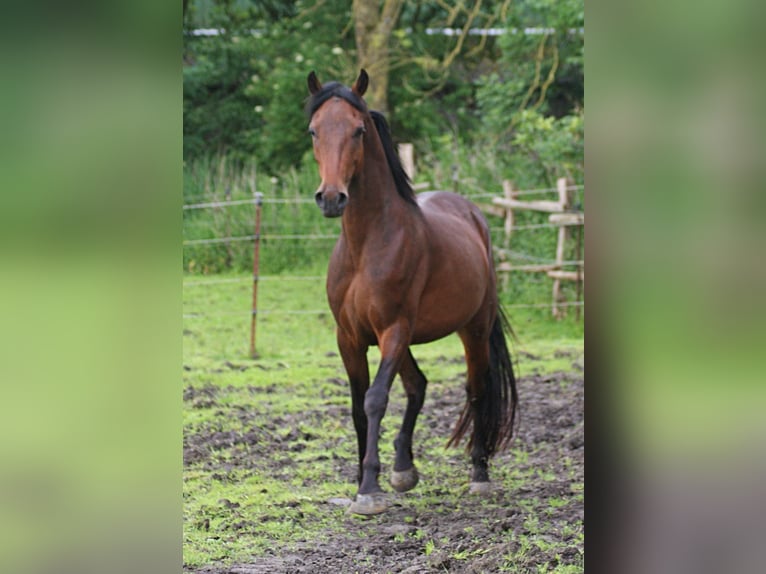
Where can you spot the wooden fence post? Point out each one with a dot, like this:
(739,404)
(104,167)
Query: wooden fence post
(407,156)
(565,201)
(509,193)
(579,278)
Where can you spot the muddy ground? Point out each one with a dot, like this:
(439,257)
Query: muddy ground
(530,524)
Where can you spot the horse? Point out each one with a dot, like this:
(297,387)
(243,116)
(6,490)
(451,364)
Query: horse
(406,269)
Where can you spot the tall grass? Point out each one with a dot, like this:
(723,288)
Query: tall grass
(285,214)
(288,211)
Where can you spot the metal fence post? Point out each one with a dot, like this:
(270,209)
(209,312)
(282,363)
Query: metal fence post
(256,259)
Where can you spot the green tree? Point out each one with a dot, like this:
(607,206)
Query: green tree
(531,102)
(244,88)
(373,26)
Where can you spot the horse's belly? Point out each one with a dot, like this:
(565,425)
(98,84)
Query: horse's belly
(447,309)
(431,332)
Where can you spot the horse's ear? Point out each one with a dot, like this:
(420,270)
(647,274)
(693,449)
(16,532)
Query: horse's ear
(314,84)
(360,86)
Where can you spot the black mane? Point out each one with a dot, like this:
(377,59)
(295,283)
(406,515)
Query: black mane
(332,89)
(401,179)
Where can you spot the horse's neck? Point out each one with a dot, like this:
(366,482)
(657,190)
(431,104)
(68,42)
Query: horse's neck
(375,210)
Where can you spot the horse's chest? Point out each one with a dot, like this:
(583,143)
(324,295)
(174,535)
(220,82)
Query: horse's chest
(365,304)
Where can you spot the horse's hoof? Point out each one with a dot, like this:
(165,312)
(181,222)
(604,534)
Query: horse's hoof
(404,480)
(480,488)
(367,504)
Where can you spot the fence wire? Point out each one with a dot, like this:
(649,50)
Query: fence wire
(240,313)
(251,279)
(302,200)
(282,237)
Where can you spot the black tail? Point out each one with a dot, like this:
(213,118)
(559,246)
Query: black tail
(500,397)
(496,406)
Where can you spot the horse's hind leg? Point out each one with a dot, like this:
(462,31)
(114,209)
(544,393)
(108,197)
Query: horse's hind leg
(405,476)
(478,370)
(491,400)
(476,346)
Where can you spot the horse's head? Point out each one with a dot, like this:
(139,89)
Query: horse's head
(337,128)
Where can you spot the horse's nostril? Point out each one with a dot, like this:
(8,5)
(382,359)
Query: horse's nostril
(342,200)
(319,198)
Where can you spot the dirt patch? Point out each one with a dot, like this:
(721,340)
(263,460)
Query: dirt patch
(532,520)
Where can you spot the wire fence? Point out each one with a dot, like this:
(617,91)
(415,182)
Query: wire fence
(524,261)
(241,313)
(298,200)
(277,237)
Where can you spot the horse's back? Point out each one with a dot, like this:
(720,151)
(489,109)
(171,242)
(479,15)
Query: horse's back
(449,215)
(446,202)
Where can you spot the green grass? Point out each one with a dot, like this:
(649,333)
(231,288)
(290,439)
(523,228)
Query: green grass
(235,510)
(295,323)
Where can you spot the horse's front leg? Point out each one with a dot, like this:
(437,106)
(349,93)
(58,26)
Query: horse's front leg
(393,343)
(355,361)
(405,476)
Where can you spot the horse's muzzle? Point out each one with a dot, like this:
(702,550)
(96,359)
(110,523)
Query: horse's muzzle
(332,203)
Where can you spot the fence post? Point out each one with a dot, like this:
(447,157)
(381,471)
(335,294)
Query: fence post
(564,200)
(578,258)
(455,181)
(256,260)
(407,155)
(508,193)
(227,232)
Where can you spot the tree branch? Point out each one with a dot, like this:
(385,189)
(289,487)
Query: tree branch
(536,82)
(447,62)
(550,78)
(504,10)
(452,11)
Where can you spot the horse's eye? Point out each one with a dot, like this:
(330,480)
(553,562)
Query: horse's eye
(312,132)
(359,131)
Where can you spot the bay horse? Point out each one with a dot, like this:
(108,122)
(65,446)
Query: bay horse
(406,269)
